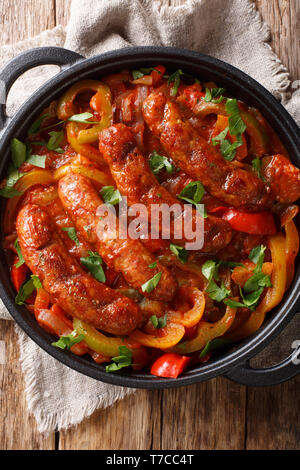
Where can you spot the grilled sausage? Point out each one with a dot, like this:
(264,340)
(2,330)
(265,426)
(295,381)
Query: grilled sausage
(127,256)
(79,294)
(200,160)
(283,177)
(135,180)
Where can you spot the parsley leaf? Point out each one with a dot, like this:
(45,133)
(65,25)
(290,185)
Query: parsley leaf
(55,140)
(152,265)
(9,192)
(233,303)
(137,74)
(236,124)
(66,342)
(193,193)
(180,252)
(159,322)
(221,136)
(211,93)
(71,232)
(110,195)
(228,149)
(210,269)
(256,165)
(217,293)
(158,162)
(36,125)
(123,360)
(175,79)
(83,117)
(257,256)
(20,256)
(37,160)
(150,285)
(27,288)
(18,152)
(212,345)
(93,263)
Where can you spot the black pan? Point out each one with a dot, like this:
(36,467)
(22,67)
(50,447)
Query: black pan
(234,363)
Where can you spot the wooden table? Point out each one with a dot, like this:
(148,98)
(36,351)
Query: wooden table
(214,415)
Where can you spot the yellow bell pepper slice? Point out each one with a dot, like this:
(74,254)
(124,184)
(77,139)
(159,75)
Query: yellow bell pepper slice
(193,316)
(274,294)
(100,102)
(206,332)
(93,173)
(291,249)
(105,345)
(174,333)
(87,150)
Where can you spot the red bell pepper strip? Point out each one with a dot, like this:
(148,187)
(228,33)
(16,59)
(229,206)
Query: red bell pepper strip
(256,223)
(18,275)
(169,365)
(157,74)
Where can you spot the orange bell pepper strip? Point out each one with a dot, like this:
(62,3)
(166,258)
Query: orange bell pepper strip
(100,102)
(153,79)
(55,321)
(206,332)
(291,249)
(192,316)
(274,294)
(18,275)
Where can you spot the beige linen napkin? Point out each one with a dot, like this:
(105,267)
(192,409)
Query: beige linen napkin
(231,30)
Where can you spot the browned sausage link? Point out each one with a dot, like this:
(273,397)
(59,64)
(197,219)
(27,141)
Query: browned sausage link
(79,294)
(223,180)
(135,180)
(127,256)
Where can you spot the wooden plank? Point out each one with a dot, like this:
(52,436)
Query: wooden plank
(283,17)
(132,423)
(210,415)
(62,11)
(17,428)
(21,19)
(273,418)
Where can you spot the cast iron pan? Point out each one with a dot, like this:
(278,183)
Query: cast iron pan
(234,363)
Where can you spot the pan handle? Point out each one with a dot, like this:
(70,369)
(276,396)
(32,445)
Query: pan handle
(285,370)
(28,60)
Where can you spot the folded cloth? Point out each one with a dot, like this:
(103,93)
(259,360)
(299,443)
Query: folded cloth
(231,30)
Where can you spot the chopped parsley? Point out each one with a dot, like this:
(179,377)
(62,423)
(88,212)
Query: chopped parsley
(27,289)
(71,232)
(66,342)
(159,322)
(93,262)
(175,79)
(110,195)
(123,360)
(180,252)
(158,162)
(150,285)
(193,193)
